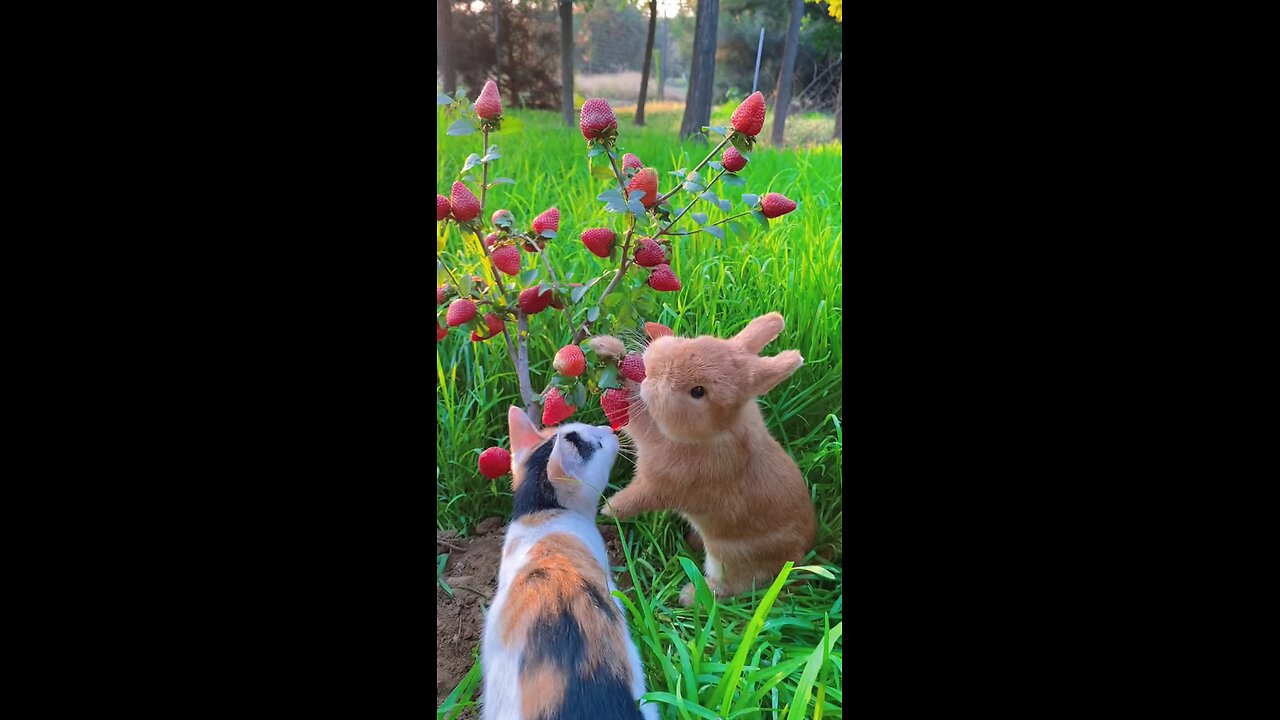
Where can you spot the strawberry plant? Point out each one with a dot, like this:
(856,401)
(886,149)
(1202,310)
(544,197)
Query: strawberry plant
(502,300)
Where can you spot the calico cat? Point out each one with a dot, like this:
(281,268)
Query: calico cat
(556,644)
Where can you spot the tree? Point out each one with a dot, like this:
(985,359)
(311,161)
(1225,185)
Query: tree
(697,105)
(648,61)
(783,101)
(444,21)
(566,61)
(839,109)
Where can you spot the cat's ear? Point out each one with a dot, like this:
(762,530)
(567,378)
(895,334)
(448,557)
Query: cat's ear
(524,436)
(769,371)
(760,332)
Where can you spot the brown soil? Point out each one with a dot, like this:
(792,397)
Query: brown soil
(472,572)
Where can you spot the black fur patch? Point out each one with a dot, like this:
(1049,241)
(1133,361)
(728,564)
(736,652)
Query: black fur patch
(585,448)
(536,492)
(558,640)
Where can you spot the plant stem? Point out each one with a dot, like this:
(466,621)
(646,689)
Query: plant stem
(484,172)
(718,222)
(447,269)
(688,207)
(522,361)
(705,160)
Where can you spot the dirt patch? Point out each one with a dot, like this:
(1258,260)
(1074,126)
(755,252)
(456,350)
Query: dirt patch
(472,572)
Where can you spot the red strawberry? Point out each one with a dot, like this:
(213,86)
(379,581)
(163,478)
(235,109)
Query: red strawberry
(631,161)
(632,367)
(733,160)
(461,311)
(775,205)
(441,292)
(555,410)
(495,327)
(440,332)
(657,330)
(549,220)
(442,207)
(507,259)
(663,279)
(489,105)
(502,215)
(599,241)
(650,254)
(615,403)
(646,180)
(597,117)
(570,361)
(495,462)
(465,204)
(532,303)
(489,240)
(748,119)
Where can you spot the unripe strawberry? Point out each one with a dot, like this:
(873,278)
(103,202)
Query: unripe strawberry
(554,409)
(748,119)
(507,259)
(532,303)
(440,332)
(632,367)
(442,207)
(631,161)
(502,215)
(489,104)
(615,404)
(466,206)
(650,254)
(646,180)
(570,362)
(596,117)
(774,205)
(599,241)
(663,279)
(495,462)
(733,160)
(461,311)
(549,220)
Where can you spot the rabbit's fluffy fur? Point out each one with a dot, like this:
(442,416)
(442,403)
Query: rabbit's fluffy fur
(711,458)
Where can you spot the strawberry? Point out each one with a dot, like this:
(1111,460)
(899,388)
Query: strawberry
(504,215)
(599,241)
(597,117)
(495,462)
(465,204)
(748,119)
(646,180)
(570,362)
(657,330)
(495,327)
(532,303)
(549,220)
(461,311)
(555,410)
(557,302)
(663,279)
(650,254)
(631,161)
(440,332)
(489,105)
(733,160)
(615,404)
(632,367)
(489,240)
(441,292)
(774,205)
(507,259)
(442,207)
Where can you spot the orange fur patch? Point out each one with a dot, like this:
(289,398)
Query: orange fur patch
(542,691)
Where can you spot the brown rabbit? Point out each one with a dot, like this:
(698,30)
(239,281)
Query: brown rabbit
(702,450)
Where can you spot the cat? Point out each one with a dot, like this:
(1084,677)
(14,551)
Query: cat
(556,643)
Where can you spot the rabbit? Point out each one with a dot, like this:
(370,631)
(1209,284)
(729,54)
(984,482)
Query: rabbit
(556,643)
(702,449)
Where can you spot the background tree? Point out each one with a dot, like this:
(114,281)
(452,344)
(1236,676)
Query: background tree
(444,32)
(566,61)
(697,107)
(782,102)
(648,61)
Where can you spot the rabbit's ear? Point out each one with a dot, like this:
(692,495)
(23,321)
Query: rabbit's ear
(524,436)
(760,332)
(769,371)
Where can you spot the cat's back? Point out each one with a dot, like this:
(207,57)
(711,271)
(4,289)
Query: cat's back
(556,643)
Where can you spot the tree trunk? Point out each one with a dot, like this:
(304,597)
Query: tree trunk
(444,25)
(566,61)
(839,109)
(662,64)
(648,60)
(783,101)
(697,104)
(497,42)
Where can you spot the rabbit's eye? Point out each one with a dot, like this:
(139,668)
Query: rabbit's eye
(698,392)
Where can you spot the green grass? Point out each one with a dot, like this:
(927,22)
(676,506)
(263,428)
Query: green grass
(774,653)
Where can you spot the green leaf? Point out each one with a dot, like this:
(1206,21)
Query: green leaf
(715,231)
(548,234)
(635,206)
(693,187)
(442,99)
(529,277)
(602,172)
(700,218)
(720,129)
(760,218)
(733,180)
(678,173)
(817,570)
(611,299)
(609,377)
(502,181)
(729,683)
(715,165)
(724,204)
(736,227)
(472,161)
(493,153)
(467,283)
(580,395)
(694,176)
(742,144)
(593,313)
(750,199)
(595,151)
(677,702)
(578,292)
(461,126)
(709,197)
(544,288)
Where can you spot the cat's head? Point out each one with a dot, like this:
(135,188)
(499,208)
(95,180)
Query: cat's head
(566,465)
(695,388)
